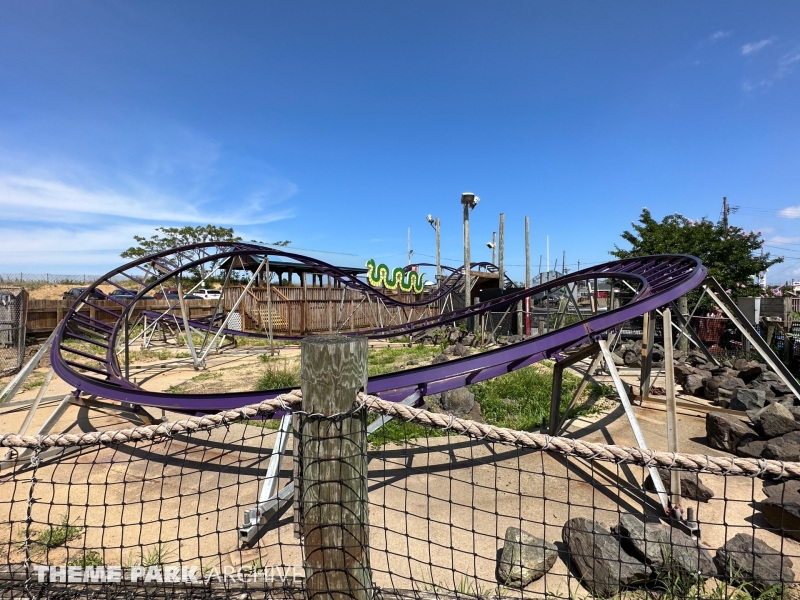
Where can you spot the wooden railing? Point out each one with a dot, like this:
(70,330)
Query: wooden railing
(295,310)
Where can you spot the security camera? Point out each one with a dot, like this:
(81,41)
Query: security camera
(490,245)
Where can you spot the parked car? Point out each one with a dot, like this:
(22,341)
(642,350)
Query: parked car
(127,295)
(208,294)
(75,293)
(173,295)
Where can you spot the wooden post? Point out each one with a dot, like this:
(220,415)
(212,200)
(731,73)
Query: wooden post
(334,497)
(304,314)
(648,335)
(683,308)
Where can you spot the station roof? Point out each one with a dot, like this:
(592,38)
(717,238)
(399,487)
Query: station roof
(350,263)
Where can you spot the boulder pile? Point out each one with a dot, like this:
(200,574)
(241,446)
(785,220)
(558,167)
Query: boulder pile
(629,354)
(636,552)
(770,432)
(741,385)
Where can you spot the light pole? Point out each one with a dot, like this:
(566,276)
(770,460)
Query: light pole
(493,245)
(470,201)
(435,224)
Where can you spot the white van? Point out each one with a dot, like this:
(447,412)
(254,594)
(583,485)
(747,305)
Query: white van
(208,294)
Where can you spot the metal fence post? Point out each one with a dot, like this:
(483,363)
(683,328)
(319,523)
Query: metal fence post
(334,499)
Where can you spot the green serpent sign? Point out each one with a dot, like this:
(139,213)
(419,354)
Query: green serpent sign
(381,276)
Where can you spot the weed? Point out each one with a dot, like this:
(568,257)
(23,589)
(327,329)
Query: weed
(157,555)
(87,559)
(53,537)
(273,378)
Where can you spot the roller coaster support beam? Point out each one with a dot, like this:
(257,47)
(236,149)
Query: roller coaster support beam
(714,289)
(189,338)
(269,502)
(16,383)
(233,309)
(672,412)
(686,332)
(648,342)
(637,431)
(558,377)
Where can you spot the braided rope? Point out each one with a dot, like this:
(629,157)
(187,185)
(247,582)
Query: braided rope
(701,463)
(286,401)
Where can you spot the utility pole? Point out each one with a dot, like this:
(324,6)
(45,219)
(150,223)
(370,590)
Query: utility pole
(501,242)
(527,253)
(725,211)
(438,253)
(494,247)
(564,262)
(410,251)
(469,201)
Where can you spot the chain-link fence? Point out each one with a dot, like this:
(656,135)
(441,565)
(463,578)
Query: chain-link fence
(13,310)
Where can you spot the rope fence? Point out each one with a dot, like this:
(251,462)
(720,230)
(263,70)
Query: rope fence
(459,509)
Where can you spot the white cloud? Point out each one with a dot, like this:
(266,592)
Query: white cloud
(754,47)
(718,35)
(790,212)
(782,239)
(26,198)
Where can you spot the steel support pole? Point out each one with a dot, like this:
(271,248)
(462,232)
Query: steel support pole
(15,384)
(732,311)
(235,306)
(438,254)
(185,317)
(637,431)
(501,242)
(672,409)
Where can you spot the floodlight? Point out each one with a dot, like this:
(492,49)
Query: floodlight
(430,219)
(490,245)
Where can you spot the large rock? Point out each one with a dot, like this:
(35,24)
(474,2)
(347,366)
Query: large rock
(751,449)
(692,487)
(774,420)
(712,385)
(748,399)
(748,561)
(781,508)
(602,564)
(750,372)
(525,558)
(663,548)
(693,385)
(439,358)
(726,432)
(458,401)
(785,447)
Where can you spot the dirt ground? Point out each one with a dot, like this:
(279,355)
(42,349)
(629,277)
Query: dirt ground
(54,291)
(439,507)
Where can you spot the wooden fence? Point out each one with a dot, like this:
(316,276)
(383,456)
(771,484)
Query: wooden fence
(295,310)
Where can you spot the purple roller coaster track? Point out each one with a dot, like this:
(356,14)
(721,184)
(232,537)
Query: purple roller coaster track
(655,281)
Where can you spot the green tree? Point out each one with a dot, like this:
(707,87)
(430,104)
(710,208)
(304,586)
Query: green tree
(733,256)
(171,237)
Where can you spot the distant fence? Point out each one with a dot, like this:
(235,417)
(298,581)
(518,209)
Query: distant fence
(57,278)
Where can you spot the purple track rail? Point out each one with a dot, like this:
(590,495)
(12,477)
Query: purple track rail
(660,279)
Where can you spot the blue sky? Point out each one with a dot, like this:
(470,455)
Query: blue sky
(340,125)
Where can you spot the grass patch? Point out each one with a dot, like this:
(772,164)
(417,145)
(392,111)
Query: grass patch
(388,360)
(273,378)
(58,535)
(34,381)
(399,432)
(87,559)
(521,399)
